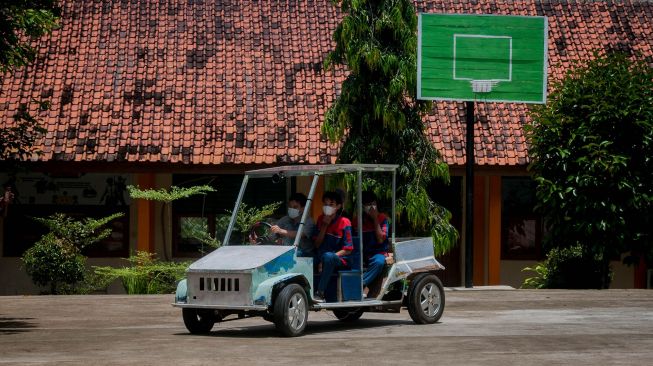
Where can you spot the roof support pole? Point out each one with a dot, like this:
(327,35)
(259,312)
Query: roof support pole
(469,200)
(234,214)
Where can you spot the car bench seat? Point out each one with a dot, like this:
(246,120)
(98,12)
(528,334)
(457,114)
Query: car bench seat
(344,285)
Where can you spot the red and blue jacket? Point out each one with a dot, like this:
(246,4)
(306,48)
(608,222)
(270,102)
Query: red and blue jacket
(337,237)
(371,245)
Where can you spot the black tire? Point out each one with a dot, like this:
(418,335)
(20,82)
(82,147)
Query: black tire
(426,299)
(291,310)
(348,315)
(198,321)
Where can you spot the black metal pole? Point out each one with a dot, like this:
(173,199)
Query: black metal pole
(469,201)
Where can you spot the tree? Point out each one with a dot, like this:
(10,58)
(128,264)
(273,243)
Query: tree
(377,116)
(22,22)
(56,260)
(591,147)
(167,197)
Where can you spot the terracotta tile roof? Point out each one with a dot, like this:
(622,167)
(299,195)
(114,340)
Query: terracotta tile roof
(237,82)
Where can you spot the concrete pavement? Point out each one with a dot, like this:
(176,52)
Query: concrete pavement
(491,327)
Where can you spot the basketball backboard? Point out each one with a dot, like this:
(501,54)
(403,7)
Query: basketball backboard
(487,57)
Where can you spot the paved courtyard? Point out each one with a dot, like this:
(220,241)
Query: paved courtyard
(479,327)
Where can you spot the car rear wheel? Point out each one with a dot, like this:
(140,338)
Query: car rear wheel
(198,321)
(291,311)
(426,299)
(348,315)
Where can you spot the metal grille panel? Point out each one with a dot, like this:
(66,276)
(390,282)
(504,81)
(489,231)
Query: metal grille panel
(219,288)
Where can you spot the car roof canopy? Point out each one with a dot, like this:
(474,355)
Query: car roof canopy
(306,170)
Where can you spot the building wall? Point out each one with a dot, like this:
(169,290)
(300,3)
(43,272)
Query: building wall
(490,268)
(15,281)
(155,234)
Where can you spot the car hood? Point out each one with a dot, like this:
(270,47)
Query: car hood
(240,257)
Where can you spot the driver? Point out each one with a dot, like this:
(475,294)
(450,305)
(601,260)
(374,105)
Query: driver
(288,225)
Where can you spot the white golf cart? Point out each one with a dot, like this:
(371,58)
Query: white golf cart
(272,281)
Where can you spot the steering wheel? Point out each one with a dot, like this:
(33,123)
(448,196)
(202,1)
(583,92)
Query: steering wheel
(263,234)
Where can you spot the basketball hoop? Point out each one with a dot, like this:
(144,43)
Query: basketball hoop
(483,86)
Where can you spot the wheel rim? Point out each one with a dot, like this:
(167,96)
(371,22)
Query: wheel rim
(296,311)
(430,299)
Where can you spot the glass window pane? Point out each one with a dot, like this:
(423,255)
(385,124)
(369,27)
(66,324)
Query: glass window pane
(521,233)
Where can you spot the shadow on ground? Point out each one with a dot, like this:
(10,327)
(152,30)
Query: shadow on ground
(267,330)
(9,325)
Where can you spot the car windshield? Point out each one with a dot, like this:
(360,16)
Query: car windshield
(264,203)
(273,203)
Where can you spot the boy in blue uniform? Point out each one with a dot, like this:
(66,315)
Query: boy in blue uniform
(376,247)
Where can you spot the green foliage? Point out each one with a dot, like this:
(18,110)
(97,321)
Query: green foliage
(572,267)
(52,263)
(78,234)
(17,141)
(146,275)
(167,196)
(23,21)
(538,281)
(592,158)
(199,230)
(56,260)
(377,116)
(246,218)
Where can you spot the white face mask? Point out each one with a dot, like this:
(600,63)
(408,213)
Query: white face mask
(328,210)
(293,213)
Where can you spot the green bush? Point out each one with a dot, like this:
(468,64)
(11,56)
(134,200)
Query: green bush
(570,268)
(55,260)
(590,148)
(51,263)
(145,275)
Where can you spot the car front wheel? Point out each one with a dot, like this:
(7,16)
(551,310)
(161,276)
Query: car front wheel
(198,321)
(291,311)
(426,299)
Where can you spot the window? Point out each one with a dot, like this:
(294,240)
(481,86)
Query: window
(521,228)
(77,195)
(21,231)
(191,234)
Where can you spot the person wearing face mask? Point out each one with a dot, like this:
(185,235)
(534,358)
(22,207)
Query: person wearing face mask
(333,241)
(376,247)
(288,226)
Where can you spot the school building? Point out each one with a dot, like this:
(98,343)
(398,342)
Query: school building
(160,93)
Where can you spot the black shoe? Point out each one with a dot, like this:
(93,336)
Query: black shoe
(318,297)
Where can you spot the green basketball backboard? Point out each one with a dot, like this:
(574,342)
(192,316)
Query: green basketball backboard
(482,57)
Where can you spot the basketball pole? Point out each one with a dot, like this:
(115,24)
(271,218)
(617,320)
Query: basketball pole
(469,201)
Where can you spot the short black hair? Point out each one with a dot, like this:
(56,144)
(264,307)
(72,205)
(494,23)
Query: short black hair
(333,196)
(368,196)
(298,197)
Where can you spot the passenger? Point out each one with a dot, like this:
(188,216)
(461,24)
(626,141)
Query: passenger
(288,225)
(333,240)
(376,247)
